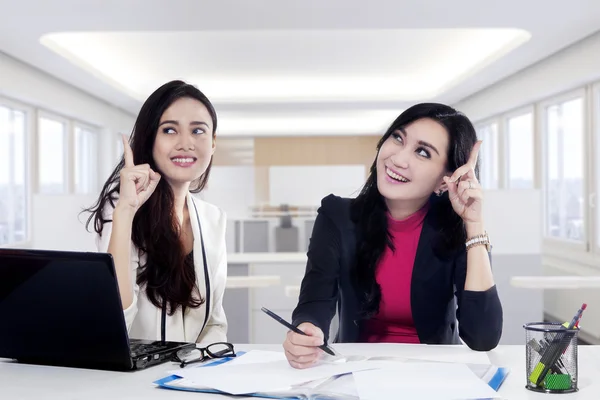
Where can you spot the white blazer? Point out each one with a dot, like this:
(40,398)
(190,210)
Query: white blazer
(205,324)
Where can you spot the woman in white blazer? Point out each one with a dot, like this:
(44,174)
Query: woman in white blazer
(168,246)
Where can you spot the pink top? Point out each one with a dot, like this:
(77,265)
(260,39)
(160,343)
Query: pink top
(394,322)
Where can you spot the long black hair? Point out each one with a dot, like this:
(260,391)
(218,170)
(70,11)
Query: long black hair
(168,275)
(368,210)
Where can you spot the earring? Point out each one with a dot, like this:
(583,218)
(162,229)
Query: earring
(439,193)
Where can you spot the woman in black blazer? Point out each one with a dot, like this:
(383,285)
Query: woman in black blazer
(408,260)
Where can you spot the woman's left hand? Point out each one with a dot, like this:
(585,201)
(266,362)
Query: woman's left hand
(465,191)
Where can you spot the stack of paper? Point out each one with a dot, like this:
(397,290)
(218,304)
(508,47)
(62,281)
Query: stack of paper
(268,374)
(274,376)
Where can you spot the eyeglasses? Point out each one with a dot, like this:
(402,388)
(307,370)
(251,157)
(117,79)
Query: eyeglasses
(214,350)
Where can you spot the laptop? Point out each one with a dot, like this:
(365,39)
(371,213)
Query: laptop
(64,308)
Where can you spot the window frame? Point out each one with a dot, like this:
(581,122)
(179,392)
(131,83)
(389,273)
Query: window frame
(73,155)
(498,120)
(68,150)
(594,168)
(30,165)
(562,248)
(504,147)
(118,147)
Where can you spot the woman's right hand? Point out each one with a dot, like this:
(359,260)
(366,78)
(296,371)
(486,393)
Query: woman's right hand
(137,182)
(303,351)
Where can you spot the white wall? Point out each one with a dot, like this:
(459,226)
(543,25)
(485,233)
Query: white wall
(57,224)
(307,185)
(570,68)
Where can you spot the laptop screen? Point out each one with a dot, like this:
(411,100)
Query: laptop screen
(60,306)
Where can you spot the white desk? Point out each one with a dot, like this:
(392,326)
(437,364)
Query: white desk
(29,382)
(251,282)
(266,258)
(555,282)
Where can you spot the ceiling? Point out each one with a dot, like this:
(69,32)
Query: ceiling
(277,67)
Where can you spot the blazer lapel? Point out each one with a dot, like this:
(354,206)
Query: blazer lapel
(195,318)
(425,261)
(430,284)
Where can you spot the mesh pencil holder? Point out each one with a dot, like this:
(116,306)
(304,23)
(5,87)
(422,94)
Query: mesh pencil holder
(551,357)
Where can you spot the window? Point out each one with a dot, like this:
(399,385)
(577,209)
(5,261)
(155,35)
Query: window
(86,160)
(488,154)
(564,165)
(519,152)
(13,177)
(52,155)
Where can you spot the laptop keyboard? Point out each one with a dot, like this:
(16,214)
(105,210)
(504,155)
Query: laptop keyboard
(139,348)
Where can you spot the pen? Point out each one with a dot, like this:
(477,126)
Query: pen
(577,316)
(293,328)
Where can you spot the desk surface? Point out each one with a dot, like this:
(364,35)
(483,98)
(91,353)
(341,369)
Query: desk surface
(249,282)
(266,258)
(555,282)
(20,381)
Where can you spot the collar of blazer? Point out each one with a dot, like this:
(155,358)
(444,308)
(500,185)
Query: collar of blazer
(196,325)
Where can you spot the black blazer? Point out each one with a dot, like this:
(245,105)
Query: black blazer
(437,287)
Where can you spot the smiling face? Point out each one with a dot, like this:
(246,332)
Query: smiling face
(184,142)
(412,162)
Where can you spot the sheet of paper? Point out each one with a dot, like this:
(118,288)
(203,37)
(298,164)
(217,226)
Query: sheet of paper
(460,357)
(186,384)
(270,376)
(258,356)
(450,353)
(340,386)
(438,381)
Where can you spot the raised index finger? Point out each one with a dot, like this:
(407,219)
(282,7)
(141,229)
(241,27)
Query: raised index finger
(470,165)
(127,152)
(474,154)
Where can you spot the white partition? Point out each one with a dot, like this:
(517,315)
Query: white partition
(513,219)
(231,188)
(307,185)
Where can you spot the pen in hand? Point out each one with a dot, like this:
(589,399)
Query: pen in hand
(291,327)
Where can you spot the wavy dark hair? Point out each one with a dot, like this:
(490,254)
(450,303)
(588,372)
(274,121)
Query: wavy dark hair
(168,275)
(368,210)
